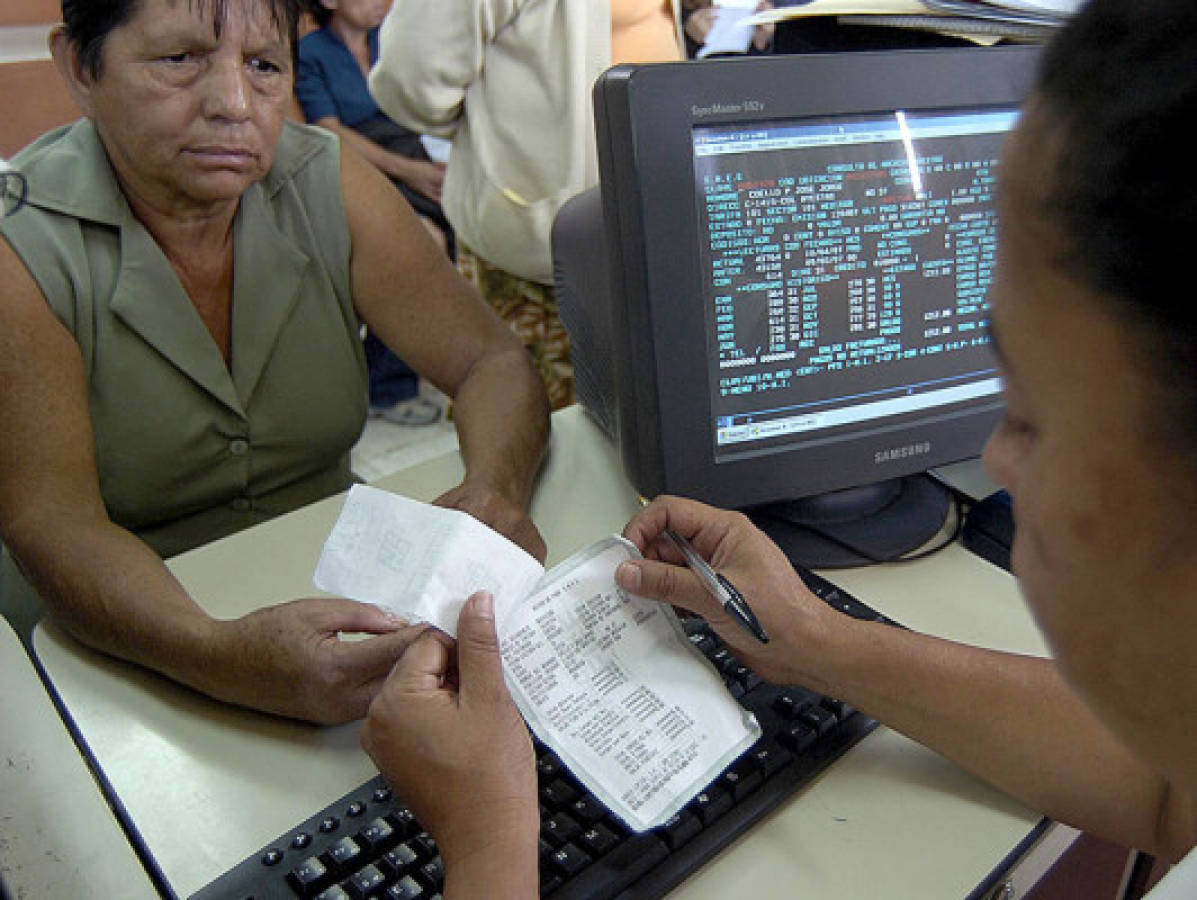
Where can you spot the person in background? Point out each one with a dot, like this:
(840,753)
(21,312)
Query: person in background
(180,358)
(510,84)
(698,17)
(1098,349)
(330,84)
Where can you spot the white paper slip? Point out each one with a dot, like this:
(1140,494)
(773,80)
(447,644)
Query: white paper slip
(611,683)
(608,680)
(417,560)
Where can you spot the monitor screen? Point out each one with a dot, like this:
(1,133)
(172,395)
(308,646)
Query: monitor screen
(845,263)
(798,253)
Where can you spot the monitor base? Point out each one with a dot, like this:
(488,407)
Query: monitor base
(858,526)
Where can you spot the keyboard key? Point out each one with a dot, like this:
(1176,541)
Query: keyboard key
(559,828)
(710,804)
(587,810)
(377,836)
(398,862)
(406,888)
(548,765)
(365,882)
(558,793)
(788,705)
(336,892)
(424,844)
(329,824)
(797,737)
(742,779)
(598,839)
(432,874)
(818,718)
(355,809)
(838,708)
(309,878)
(342,854)
(570,859)
(770,758)
(272,857)
(403,821)
(680,829)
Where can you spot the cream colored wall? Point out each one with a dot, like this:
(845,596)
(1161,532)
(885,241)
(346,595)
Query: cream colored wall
(32,96)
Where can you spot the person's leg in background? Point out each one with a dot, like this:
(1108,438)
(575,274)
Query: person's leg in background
(530,310)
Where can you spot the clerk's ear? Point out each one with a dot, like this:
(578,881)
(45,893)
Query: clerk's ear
(78,79)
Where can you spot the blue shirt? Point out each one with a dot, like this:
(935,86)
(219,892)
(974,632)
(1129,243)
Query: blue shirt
(330,81)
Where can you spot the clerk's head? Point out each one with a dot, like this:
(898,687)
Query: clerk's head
(1096,321)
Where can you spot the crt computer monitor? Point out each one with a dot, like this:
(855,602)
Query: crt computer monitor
(794,313)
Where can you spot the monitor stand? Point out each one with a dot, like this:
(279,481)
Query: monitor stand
(857,526)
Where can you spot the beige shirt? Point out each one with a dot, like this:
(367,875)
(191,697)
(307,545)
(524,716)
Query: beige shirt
(509,83)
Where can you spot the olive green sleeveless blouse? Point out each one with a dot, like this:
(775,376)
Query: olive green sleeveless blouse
(189,449)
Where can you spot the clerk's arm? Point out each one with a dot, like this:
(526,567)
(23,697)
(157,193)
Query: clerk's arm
(415,302)
(446,734)
(1010,719)
(110,590)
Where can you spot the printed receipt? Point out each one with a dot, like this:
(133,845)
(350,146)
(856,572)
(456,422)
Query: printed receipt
(612,684)
(608,680)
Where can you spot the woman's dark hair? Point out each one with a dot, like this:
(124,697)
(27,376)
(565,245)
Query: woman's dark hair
(89,22)
(1119,88)
(321,13)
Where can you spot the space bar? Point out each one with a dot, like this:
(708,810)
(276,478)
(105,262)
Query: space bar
(612,873)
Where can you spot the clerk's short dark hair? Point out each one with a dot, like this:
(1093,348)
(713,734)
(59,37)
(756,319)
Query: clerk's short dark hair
(1118,87)
(89,22)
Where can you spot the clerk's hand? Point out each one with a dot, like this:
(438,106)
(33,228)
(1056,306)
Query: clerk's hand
(492,508)
(289,659)
(450,740)
(796,621)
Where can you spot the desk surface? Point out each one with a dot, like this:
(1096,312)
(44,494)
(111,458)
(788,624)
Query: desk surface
(58,838)
(889,813)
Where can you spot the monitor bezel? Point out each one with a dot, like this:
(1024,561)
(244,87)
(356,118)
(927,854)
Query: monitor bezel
(645,116)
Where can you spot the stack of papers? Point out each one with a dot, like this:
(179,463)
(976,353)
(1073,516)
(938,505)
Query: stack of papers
(607,679)
(981,21)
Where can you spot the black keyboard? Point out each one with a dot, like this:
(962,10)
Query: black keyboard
(369,846)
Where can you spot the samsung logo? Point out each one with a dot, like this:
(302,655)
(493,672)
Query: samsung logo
(895,453)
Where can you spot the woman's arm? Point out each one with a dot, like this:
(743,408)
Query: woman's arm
(110,590)
(423,176)
(412,298)
(1012,720)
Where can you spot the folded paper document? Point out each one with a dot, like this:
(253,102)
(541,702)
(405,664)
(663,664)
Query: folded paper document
(607,679)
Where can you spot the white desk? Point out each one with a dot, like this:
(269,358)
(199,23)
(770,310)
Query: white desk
(58,838)
(206,785)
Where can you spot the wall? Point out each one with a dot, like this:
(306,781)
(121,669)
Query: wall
(32,96)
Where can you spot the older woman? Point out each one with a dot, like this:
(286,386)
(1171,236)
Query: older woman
(180,306)
(1099,351)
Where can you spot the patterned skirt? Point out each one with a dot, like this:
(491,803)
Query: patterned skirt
(530,310)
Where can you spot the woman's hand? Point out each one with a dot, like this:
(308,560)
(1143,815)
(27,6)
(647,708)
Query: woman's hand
(290,659)
(795,620)
(422,176)
(503,515)
(454,746)
(762,35)
(700,22)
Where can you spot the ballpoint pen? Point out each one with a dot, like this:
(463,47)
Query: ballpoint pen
(719,587)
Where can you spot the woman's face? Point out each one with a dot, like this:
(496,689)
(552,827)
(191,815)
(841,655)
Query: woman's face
(363,14)
(1106,508)
(190,119)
